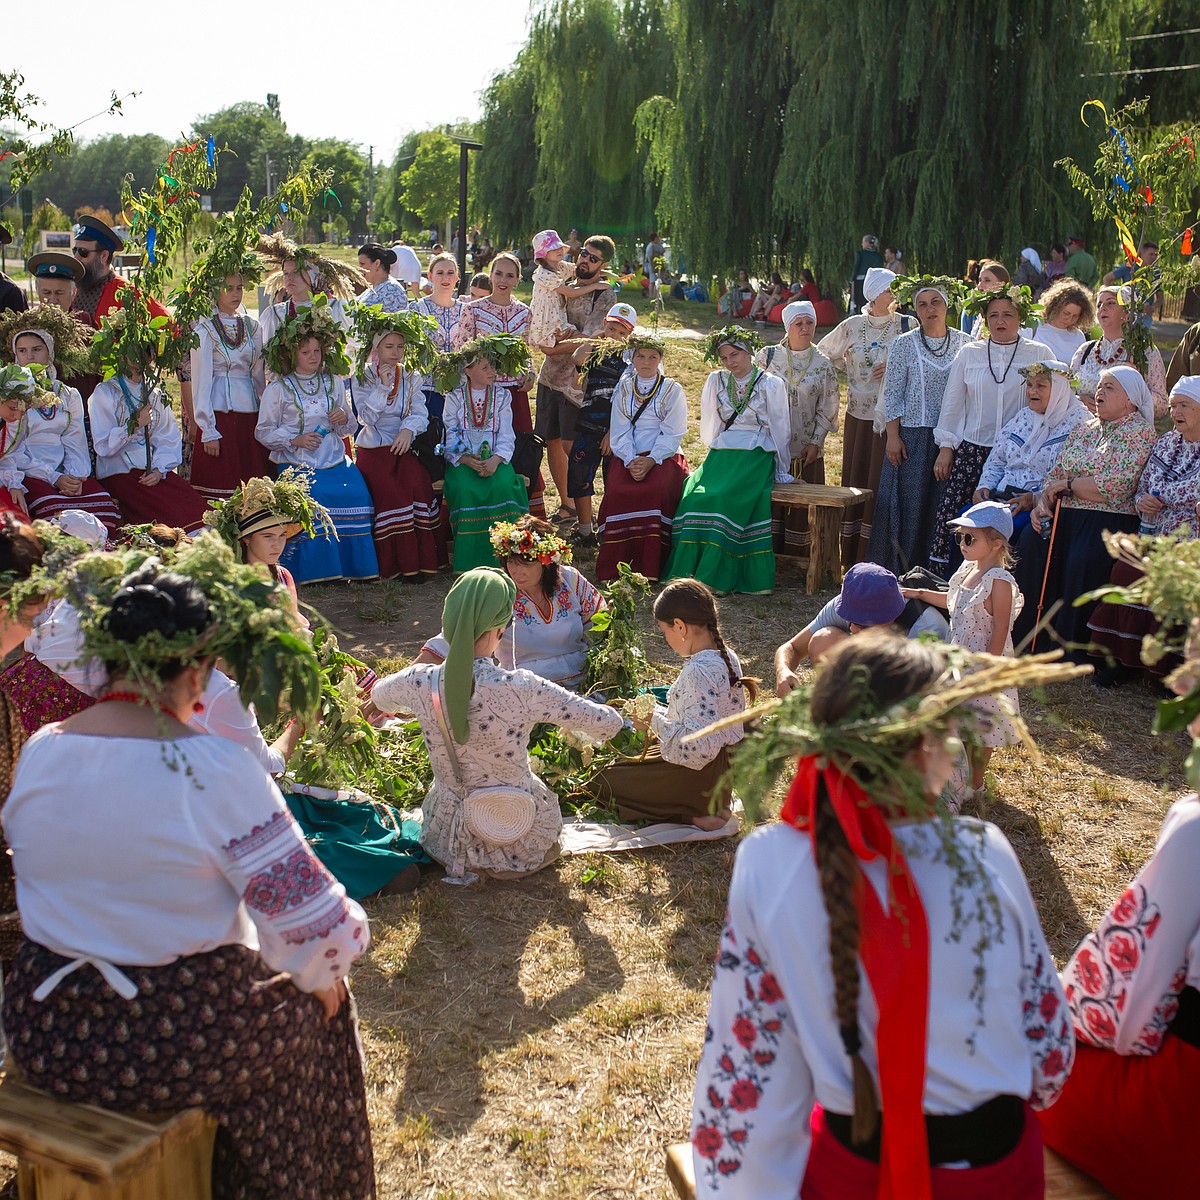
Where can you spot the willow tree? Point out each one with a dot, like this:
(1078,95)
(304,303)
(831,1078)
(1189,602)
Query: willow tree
(557,130)
(935,125)
(713,141)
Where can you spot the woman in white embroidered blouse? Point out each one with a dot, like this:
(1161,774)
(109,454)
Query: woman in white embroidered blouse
(182,907)
(722,533)
(51,441)
(1092,359)
(303,416)
(854,965)
(490,713)
(228,378)
(1127,1113)
(682,778)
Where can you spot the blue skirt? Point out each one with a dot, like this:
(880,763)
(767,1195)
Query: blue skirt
(349,555)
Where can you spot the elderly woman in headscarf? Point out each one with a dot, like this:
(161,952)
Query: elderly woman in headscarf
(1093,358)
(914,384)
(50,441)
(859,347)
(1168,504)
(486,812)
(1089,490)
(1030,273)
(1029,444)
(723,523)
(812,392)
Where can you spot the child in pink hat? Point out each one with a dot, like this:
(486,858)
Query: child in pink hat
(553,283)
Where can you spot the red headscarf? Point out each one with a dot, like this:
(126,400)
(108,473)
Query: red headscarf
(894,948)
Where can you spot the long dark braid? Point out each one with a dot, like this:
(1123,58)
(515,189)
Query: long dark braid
(693,603)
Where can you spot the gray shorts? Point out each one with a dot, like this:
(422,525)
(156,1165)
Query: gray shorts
(556,415)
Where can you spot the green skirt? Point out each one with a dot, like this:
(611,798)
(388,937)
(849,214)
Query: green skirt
(476,504)
(358,848)
(723,524)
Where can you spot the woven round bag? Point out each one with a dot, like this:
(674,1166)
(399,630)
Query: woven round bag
(498,816)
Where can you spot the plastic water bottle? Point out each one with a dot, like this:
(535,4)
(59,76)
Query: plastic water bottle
(485,450)
(1148,526)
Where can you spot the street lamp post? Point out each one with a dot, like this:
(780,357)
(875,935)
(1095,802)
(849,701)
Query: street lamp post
(464,147)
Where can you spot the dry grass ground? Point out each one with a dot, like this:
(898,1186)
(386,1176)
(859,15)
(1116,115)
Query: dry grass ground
(539,1039)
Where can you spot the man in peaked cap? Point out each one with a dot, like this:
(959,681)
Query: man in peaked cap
(55,276)
(12,299)
(95,244)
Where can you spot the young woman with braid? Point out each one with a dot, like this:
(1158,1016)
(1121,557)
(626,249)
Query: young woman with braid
(681,780)
(859,972)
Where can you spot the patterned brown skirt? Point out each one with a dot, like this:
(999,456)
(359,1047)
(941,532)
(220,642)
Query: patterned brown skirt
(219,1031)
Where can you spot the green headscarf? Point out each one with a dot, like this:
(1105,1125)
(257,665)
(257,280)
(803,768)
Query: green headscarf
(479,600)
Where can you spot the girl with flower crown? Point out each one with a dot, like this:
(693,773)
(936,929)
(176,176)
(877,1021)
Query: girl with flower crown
(722,533)
(50,440)
(481,486)
(303,417)
(395,349)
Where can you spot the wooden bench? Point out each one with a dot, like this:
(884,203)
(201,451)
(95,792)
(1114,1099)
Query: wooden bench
(80,1152)
(1063,1181)
(827,507)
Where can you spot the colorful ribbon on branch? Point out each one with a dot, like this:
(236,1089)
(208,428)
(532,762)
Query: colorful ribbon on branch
(211,151)
(151,238)
(325,199)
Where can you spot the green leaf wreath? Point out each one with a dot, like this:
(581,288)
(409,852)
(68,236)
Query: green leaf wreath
(507,352)
(288,496)
(315,320)
(906,287)
(729,335)
(417,330)
(1020,297)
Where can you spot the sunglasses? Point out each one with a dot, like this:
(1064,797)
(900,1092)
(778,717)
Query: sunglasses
(965,539)
(80,252)
(589,256)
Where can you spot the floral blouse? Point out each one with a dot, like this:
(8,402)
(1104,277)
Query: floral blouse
(447,318)
(700,695)
(1094,358)
(1173,474)
(857,346)
(812,392)
(1124,980)
(772,1047)
(914,382)
(483,317)
(1113,453)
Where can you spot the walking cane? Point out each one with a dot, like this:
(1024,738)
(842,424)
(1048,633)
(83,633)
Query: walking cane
(1045,575)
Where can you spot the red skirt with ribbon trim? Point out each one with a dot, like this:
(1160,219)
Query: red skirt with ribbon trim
(636,519)
(242,457)
(46,502)
(172,500)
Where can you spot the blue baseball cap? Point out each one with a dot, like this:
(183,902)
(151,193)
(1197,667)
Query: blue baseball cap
(870,596)
(989,514)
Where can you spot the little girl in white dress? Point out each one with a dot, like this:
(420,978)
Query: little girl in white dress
(984,601)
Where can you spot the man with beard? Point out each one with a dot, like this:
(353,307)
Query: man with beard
(96,296)
(12,299)
(559,394)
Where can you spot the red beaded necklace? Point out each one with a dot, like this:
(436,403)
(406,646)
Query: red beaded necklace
(138,698)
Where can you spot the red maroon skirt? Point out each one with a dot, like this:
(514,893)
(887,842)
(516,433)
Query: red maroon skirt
(40,695)
(522,417)
(835,1173)
(242,457)
(1118,629)
(171,501)
(407,528)
(636,518)
(46,502)
(1128,1121)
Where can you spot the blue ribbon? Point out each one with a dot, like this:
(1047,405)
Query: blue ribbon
(212,150)
(283,207)
(1124,185)
(151,238)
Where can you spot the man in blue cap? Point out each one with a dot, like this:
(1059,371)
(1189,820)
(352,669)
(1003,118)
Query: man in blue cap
(55,276)
(12,299)
(870,597)
(96,296)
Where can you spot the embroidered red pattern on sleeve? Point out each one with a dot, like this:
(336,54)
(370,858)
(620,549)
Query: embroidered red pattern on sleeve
(1047,1026)
(740,1074)
(1102,974)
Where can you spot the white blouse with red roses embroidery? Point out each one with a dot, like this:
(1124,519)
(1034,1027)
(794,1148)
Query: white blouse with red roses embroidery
(1124,980)
(772,1047)
(184,847)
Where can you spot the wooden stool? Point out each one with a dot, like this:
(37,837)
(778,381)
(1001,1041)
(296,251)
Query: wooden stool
(827,506)
(1063,1181)
(79,1152)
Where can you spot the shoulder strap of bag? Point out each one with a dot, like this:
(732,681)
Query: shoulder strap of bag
(645,404)
(439,708)
(1089,350)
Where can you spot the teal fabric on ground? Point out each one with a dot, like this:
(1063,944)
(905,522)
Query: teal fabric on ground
(357,848)
(722,531)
